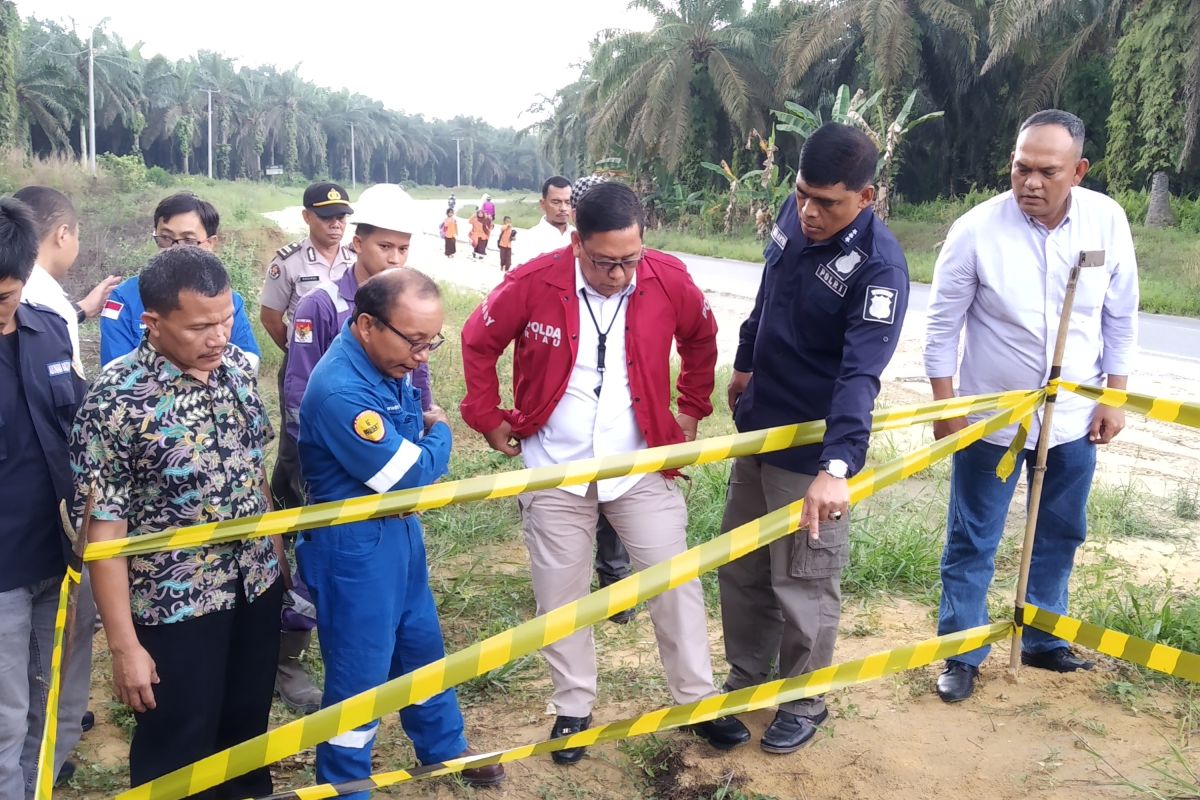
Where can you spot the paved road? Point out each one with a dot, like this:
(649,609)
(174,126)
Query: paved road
(1178,337)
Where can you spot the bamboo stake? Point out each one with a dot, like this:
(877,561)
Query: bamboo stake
(1086,259)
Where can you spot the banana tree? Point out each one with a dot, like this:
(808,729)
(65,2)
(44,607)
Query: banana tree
(866,114)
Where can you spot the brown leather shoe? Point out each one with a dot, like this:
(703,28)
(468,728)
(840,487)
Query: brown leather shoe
(491,775)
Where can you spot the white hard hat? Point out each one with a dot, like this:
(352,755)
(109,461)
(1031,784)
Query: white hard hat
(386,205)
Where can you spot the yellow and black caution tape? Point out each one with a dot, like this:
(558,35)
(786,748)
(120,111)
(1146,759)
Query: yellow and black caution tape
(482,657)
(1159,408)
(508,484)
(44,785)
(767,695)
(1158,657)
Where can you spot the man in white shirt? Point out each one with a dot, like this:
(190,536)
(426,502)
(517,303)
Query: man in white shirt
(1002,276)
(553,231)
(58,247)
(592,330)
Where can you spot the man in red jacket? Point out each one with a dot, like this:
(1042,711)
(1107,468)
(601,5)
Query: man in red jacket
(593,326)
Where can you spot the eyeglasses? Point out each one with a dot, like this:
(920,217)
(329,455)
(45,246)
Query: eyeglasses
(164,241)
(417,347)
(607,265)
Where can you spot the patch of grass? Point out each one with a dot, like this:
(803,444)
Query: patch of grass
(896,548)
(1187,501)
(1157,611)
(1123,511)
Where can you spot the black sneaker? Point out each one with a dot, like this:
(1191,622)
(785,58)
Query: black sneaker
(567,726)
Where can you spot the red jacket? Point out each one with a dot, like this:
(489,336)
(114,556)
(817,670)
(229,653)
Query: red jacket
(537,307)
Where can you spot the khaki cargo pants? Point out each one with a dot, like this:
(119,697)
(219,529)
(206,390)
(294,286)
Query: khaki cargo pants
(781,604)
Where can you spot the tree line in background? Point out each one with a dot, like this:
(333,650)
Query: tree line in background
(262,117)
(712,78)
(717,96)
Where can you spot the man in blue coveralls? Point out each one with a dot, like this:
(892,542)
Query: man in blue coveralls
(362,431)
(825,324)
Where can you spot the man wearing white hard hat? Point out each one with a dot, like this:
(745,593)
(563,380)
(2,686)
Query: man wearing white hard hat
(384,220)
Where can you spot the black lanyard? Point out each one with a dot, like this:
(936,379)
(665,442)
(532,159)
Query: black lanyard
(601,335)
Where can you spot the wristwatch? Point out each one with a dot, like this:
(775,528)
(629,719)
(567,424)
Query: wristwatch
(80,314)
(835,467)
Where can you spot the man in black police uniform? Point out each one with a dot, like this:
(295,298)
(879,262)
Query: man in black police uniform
(825,324)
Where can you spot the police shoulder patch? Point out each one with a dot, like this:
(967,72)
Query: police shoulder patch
(880,304)
(274,271)
(369,426)
(289,249)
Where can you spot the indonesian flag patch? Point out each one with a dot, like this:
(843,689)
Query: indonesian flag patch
(112,310)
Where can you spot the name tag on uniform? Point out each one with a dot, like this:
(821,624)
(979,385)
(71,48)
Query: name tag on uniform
(307,278)
(778,237)
(58,367)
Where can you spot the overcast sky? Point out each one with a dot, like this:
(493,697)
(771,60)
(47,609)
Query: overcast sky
(406,53)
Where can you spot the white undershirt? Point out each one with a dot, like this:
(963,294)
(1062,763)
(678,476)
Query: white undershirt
(582,424)
(44,290)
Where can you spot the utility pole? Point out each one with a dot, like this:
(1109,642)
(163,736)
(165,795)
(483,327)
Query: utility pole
(353,174)
(210,164)
(457,162)
(92,101)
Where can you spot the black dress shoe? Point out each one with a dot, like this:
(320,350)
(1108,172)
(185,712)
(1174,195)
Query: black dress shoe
(789,732)
(65,773)
(957,682)
(1060,659)
(724,734)
(88,722)
(566,726)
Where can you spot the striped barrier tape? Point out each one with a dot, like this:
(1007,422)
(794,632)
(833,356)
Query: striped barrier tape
(508,484)
(44,786)
(1158,657)
(1159,408)
(754,698)
(482,657)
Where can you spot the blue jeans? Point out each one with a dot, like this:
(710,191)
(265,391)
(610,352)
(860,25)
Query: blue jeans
(370,584)
(979,504)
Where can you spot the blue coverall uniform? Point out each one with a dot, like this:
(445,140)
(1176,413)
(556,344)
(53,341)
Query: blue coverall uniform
(361,433)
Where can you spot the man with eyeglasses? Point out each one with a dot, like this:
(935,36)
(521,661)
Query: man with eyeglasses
(592,329)
(362,432)
(181,219)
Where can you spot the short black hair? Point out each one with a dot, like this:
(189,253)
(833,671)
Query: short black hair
(364,229)
(835,154)
(1063,119)
(18,240)
(51,208)
(507,218)
(608,206)
(378,295)
(558,182)
(187,203)
(180,269)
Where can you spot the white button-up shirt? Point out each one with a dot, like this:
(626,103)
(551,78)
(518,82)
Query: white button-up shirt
(584,424)
(541,238)
(1003,276)
(44,290)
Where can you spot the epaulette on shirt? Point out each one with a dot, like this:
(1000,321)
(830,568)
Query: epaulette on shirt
(289,249)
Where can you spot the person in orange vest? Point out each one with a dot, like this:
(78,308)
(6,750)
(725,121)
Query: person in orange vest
(449,230)
(479,235)
(507,234)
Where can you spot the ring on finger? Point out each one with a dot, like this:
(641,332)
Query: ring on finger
(835,516)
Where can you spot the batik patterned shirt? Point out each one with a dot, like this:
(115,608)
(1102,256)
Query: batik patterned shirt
(160,449)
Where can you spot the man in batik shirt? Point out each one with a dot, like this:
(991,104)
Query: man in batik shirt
(172,435)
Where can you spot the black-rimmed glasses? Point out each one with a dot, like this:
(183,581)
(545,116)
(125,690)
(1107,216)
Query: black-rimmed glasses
(166,242)
(417,347)
(608,265)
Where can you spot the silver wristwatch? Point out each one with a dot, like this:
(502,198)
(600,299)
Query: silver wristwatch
(835,467)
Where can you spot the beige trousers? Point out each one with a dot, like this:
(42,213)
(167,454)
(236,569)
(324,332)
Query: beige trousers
(651,520)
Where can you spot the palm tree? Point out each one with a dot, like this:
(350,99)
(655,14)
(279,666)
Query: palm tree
(892,35)
(698,64)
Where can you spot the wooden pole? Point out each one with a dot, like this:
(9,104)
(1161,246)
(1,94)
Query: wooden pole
(1086,259)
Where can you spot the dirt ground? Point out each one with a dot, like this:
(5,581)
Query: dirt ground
(1088,735)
